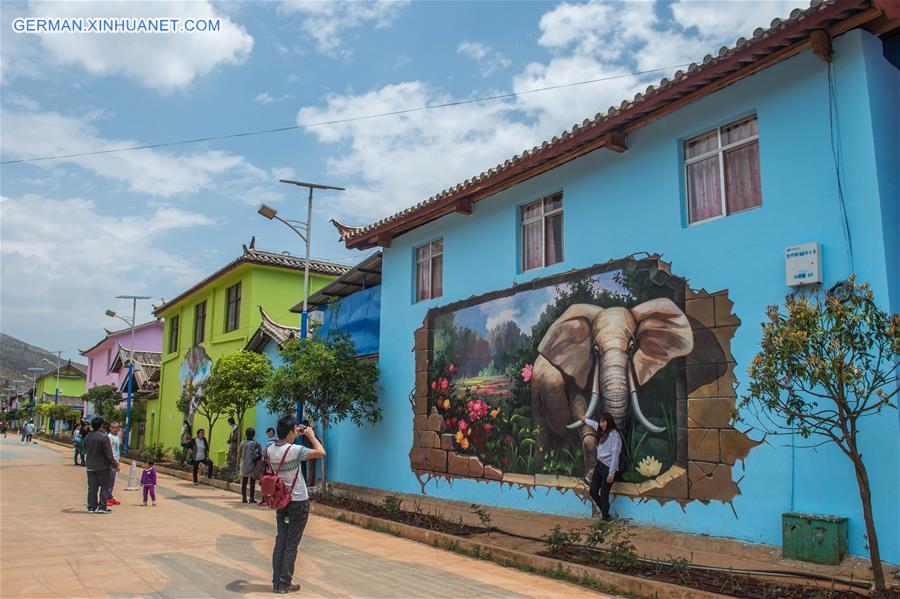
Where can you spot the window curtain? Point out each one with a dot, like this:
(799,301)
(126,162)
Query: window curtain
(437,276)
(742,183)
(532,242)
(553,239)
(704,190)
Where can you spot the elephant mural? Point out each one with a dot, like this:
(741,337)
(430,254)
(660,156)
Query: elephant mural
(595,359)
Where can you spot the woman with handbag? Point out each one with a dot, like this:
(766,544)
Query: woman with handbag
(249,454)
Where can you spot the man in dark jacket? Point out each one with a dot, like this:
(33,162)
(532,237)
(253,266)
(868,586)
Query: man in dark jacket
(100,460)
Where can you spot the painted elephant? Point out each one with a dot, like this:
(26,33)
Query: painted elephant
(593,355)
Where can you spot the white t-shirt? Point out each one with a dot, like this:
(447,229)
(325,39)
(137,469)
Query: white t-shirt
(290,470)
(114,442)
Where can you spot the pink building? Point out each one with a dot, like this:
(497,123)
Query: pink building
(101,356)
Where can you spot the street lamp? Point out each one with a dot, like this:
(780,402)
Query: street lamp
(112,314)
(33,388)
(56,395)
(304,233)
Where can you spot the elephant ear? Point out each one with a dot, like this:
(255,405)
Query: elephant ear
(663,334)
(567,343)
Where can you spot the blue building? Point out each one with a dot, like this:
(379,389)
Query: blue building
(674,212)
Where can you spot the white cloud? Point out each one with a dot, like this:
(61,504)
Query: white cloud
(401,160)
(55,250)
(266,98)
(21,101)
(488,60)
(152,172)
(160,61)
(729,19)
(328,22)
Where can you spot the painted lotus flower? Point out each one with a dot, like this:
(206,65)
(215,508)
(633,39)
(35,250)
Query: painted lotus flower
(649,467)
(526,372)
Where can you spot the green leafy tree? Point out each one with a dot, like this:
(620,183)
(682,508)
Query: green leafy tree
(106,399)
(238,382)
(827,361)
(325,374)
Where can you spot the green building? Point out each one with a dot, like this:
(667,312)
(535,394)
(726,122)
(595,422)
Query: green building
(72,385)
(216,317)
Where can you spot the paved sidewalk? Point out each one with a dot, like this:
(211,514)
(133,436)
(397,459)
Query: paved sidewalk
(202,542)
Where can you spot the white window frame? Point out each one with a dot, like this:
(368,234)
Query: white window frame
(720,151)
(429,261)
(542,217)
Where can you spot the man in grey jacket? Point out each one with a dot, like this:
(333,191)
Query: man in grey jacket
(100,461)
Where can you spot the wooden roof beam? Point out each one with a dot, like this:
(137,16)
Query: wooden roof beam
(615,141)
(820,43)
(464,206)
(384,240)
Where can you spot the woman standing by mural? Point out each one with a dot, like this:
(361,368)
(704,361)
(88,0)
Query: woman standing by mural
(609,449)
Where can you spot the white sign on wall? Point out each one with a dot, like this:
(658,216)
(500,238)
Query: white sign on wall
(803,264)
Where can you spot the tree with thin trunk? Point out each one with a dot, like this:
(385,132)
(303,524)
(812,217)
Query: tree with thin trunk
(329,379)
(237,383)
(105,399)
(827,361)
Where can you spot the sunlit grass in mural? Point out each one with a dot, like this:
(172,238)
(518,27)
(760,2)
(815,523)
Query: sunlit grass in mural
(489,358)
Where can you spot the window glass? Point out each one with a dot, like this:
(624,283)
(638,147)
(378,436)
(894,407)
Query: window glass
(437,246)
(173,335)
(199,322)
(738,131)
(437,276)
(531,211)
(704,189)
(423,281)
(233,308)
(531,241)
(553,202)
(742,184)
(701,144)
(553,239)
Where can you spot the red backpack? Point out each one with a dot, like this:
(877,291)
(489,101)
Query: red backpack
(276,494)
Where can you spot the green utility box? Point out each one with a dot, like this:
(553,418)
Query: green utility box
(812,538)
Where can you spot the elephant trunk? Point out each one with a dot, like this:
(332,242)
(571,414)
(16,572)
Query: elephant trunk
(636,407)
(595,394)
(614,384)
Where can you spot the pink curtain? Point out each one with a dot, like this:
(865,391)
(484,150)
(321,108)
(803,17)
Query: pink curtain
(437,276)
(742,184)
(532,243)
(553,239)
(704,190)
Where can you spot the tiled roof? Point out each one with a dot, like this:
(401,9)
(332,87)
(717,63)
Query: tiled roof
(607,129)
(270,330)
(110,333)
(253,256)
(147,366)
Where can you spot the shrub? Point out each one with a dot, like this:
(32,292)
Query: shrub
(391,504)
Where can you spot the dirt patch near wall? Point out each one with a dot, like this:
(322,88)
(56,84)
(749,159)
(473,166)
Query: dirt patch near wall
(677,572)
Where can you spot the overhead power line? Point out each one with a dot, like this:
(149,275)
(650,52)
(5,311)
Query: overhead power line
(339,121)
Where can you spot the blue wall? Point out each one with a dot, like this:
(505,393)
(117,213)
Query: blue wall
(616,205)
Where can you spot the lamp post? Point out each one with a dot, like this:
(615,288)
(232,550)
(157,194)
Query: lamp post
(33,388)
(56,394)
(304,234)
(112,314)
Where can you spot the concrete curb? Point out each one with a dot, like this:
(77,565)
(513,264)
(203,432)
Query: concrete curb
(576,573)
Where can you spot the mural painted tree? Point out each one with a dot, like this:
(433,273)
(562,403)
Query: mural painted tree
(827,362)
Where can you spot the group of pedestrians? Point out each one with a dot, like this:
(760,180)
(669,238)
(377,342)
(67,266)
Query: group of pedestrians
(288,456)
(27,432)
(100,452)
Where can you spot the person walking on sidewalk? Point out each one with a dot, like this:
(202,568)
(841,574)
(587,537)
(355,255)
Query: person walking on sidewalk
(285,458)
(148,482)
(100,461)
(249,454)
(200,453)
(29,432)
(76,444)
(85,431)
(609,450)
(114,442)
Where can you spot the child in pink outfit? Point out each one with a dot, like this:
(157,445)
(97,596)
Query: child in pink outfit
(148,482)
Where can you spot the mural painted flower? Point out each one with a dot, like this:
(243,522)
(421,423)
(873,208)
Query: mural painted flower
(649,467)
(526,372)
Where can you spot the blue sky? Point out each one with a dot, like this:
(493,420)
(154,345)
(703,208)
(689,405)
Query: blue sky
(74,233)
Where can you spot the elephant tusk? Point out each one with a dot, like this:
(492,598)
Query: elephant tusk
(636,407)
(595,397)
